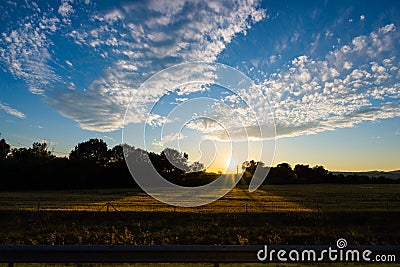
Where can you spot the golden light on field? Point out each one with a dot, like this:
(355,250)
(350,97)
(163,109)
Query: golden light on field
(269,198)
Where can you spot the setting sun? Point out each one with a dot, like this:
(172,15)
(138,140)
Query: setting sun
(231,165)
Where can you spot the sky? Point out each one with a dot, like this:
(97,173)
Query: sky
(324,79)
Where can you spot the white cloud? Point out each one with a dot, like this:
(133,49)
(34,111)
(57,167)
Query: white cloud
(295,37)
(88,108)
(25,51)
(205,125)
(65,9)
(12,111)
(166,140)
(359,43)
(147,44)
(347,65)
(349,87)
(272,59)
(113,16)
(109,138)
(388,28)
(354,83)
(141,45)
(377,68)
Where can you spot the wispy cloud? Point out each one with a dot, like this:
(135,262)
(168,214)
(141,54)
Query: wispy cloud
(25,48)
(165,37)
(12,111)
(135,40)
(167,140)
(353,82)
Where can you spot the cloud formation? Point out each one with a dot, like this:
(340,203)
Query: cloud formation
(12,111)
(25,48)
(135,40)
(356,82)
(353,82)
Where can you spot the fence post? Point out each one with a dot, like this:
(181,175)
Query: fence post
(107,206)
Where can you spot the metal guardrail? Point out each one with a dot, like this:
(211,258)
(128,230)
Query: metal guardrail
(154,254)
(127,254)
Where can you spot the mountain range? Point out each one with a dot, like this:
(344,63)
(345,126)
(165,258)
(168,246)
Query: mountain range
(388,174)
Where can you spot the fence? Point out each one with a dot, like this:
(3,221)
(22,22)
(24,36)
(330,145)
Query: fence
(287,198)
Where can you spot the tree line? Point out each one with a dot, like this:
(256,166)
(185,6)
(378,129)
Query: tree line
(92,164)
(283,173)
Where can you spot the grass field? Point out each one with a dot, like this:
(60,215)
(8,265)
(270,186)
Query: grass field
(279,214)
(284,214)
(271,198)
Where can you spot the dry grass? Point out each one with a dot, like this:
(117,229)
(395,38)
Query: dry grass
(271,198)
(284,214)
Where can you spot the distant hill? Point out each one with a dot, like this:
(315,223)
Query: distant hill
(390,174)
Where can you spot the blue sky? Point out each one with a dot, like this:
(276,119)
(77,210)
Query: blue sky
(329,71)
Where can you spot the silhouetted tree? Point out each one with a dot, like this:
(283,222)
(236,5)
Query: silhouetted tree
(171,164)
(92,165)
(135,155)
(40,150)
(116,154)
(174,162)
(320,174)
(21,153)
(303,173)
(320,170)
(285,173)
(94,150)
(196,167)
(4,149)
(249,168)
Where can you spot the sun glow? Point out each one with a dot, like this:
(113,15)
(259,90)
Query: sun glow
(231,165)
